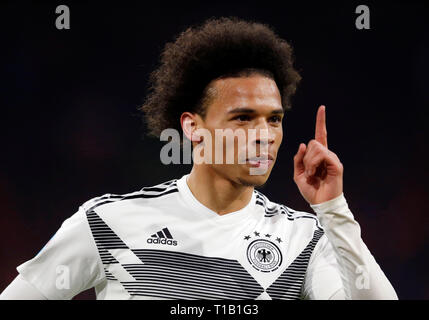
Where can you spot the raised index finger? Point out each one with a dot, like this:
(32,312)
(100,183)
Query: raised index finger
(321,133)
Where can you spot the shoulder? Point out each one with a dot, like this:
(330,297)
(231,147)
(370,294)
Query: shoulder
(273,209)
(149,192)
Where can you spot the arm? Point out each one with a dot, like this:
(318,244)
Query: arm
(361,276)
(67,265)
(318,174)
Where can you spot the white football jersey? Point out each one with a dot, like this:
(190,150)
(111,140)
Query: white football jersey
(162,243)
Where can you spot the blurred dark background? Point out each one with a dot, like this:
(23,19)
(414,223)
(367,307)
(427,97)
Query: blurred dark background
(70,129)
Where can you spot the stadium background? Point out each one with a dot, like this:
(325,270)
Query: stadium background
(70,129)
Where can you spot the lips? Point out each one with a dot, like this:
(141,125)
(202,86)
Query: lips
(261,161)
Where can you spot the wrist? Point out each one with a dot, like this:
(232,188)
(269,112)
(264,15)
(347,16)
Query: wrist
(334,204)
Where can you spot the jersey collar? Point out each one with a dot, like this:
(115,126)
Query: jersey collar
(229,218)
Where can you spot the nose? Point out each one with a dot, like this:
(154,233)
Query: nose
(264,134)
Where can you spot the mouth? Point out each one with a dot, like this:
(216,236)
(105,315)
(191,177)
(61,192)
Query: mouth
(261,161)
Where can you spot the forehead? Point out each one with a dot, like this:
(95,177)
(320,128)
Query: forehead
(255,91)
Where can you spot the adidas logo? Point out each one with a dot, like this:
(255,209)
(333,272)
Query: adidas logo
(162,237)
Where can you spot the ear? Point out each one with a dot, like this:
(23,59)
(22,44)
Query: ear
(189,123)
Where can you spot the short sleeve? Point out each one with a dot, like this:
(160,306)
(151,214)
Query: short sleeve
(68,264)
(323,278)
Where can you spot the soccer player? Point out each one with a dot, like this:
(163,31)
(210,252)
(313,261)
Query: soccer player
(210,234)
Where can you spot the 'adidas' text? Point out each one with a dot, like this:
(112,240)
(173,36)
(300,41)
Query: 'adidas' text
(162,241)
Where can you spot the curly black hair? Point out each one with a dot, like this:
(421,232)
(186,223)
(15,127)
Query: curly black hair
(220,47)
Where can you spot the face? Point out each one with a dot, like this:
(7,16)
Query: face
(250,107)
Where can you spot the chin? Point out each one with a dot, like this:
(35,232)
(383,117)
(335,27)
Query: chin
(253,181)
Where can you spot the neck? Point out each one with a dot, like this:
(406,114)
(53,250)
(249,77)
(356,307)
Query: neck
(217,192)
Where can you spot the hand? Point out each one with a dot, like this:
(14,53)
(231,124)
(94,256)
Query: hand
(318,172)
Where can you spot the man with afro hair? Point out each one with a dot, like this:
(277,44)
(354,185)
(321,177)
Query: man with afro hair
(224,86)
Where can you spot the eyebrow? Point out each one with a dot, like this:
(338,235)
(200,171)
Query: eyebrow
(248,110)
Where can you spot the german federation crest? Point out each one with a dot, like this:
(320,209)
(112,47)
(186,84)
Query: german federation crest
(264,255)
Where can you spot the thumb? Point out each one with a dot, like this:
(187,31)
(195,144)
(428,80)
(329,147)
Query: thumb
(298,159)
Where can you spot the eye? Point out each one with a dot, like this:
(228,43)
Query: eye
(241,118)
(276,119)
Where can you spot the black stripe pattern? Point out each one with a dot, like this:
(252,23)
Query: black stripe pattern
(275,209)
(145,193)
(289,285)
(109,276)
(178,275)
(104,237)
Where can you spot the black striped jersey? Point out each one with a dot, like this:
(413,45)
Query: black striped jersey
(162,243)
